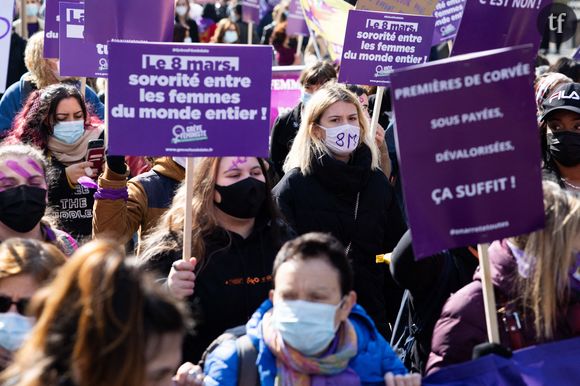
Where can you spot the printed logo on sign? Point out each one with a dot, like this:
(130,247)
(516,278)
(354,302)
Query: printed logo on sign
(381,71)
(192,133)
(103,65)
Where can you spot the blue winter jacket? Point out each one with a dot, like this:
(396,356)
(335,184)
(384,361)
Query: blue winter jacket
(15,97)
(374,358)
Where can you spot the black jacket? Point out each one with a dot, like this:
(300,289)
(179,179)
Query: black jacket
(283,133)
(430,282)
(325,201)
(73,206)
(233,279)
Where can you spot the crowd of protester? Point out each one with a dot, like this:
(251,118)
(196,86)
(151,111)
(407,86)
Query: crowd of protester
(282,286)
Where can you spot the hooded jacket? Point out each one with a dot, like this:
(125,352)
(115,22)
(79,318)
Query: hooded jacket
(462,325)
(150,195)
(325,201)
(374,356)
(232,280)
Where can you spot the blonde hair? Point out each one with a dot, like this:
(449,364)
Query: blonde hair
(546,291)
(40,72)
(306,145)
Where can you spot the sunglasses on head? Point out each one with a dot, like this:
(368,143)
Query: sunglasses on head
(6,302)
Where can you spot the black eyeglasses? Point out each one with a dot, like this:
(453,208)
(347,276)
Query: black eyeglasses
(6,302)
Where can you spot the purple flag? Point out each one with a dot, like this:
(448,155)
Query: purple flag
(189,100)
(5,28)
(448,15)
(469,150)
(296,22)
(490,24)
(251,11)
(576,55)
(79,57)
(51,28)
(285,90)
(150,20)
(377,43)
(548,364)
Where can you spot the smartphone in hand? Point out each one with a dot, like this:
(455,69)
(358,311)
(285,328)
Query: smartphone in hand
(96,154)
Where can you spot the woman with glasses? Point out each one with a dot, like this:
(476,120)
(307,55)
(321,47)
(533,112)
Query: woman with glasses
(25,265)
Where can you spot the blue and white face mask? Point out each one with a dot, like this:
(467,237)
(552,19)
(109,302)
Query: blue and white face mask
(14,329)
(69,131)
(305,97)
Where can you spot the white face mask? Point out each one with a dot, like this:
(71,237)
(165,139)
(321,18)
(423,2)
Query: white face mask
(342,140)
(32,9)
(306,326)
(230,37)
(181,10)
(14,328)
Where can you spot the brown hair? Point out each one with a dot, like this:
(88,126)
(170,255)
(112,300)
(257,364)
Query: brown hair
(318,73)
(222,26)
(95,321)
(32,257)
(168,234)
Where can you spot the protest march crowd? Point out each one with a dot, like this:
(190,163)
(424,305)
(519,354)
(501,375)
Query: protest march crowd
(312,265)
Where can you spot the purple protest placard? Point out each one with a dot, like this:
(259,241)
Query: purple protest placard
(296,22)
(5,28)
(51,28)
(285,90)
(469,150)
(251,11)
(448,15)
(554,363)
(78,56)
(377,43)
(150,20)
(189,100)
(490,24)
(576,55)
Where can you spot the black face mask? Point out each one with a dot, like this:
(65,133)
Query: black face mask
(22,207)
(565,147)
(242,199)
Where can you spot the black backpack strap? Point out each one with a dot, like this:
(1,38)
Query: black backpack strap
(247,368)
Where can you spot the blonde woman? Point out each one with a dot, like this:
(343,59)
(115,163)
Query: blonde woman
(333,184)
(536,278)
(41,73)
(236,234)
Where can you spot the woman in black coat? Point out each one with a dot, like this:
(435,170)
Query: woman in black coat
(236,233)
(333,184)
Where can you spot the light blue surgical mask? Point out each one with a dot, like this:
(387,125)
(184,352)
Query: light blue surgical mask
(14,329)
(306,326)
(230,37)
(69,131)
(305,97)
(32,9)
